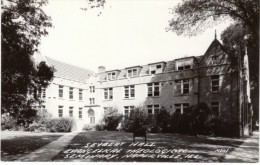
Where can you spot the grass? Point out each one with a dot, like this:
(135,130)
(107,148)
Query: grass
(197,149)
(15,145)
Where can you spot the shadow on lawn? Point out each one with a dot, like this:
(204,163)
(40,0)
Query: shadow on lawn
(205,147)
(18,146)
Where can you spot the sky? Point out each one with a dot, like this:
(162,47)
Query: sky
(126,33)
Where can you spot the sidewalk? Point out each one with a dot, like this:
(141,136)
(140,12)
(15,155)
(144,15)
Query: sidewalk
(248,152)
(47,152)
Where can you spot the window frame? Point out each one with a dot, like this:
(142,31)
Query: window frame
(71,93)
(80,94)
(153,109)
(109,93)
(132,72)
(60,111)
(129,110)
(71,111)
(129,91)
(111,76)
(182,107)
(61,93)
(154,89)
(180,86)
(80,113)
(215,79)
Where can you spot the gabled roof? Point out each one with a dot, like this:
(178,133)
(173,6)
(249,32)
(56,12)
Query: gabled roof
(68,71)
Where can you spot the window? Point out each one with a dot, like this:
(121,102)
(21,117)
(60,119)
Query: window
(71,93)
(215,83)
(156,69)
(182,86)
(80,94)
(71,111)
(153,109)
(132,73)
(153,89)
(91,101)
(130,91)
(215,108)
(60,111)
(80,113)
(108,93)
(181,108)
(92,89)
(111,76)
(183,65)
(42,93)
(128,110)
(60,91)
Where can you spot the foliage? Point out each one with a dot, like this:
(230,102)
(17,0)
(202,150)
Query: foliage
(233,39)
(193,16)
(23,24)
(40,121)
(60,125)
(8,123)
(162,120)
(112,119)
(100,127)
(224,127)
(137,119)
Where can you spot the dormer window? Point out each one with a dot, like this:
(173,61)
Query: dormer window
(132,73)
(156,68)
(111,76)
(184,64)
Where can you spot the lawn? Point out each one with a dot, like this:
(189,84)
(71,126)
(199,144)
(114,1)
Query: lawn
(118,146)
(15,145)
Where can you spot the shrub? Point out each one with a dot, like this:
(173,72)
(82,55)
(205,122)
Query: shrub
(224,127)
(8,122)
(60,125)
(137,119)
(100,127)
(40,121)
(87,127)
(174,122)
(112,119)
(162,121)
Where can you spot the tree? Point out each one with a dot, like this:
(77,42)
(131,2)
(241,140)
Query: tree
(194,16)
(23,24)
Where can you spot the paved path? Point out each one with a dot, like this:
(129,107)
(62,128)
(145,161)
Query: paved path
(47,152)
(246,152)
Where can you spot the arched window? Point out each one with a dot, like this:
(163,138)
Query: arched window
(91,115)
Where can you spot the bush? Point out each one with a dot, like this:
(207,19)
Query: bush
(60,125)
(137,119)
(224,127)
(162,121)
(174,122)
(112,119)
(8,123)
(100,127)
(40,121)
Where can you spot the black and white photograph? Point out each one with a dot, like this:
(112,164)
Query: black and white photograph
(151,81)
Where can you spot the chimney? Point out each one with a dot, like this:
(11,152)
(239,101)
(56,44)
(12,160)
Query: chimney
(101,69)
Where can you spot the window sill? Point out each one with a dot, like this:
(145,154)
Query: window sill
(182,94)
(61,98)
(71,100)
(129,98)
(153,96)
(108,100)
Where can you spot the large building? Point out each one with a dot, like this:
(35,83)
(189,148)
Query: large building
(217,78)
